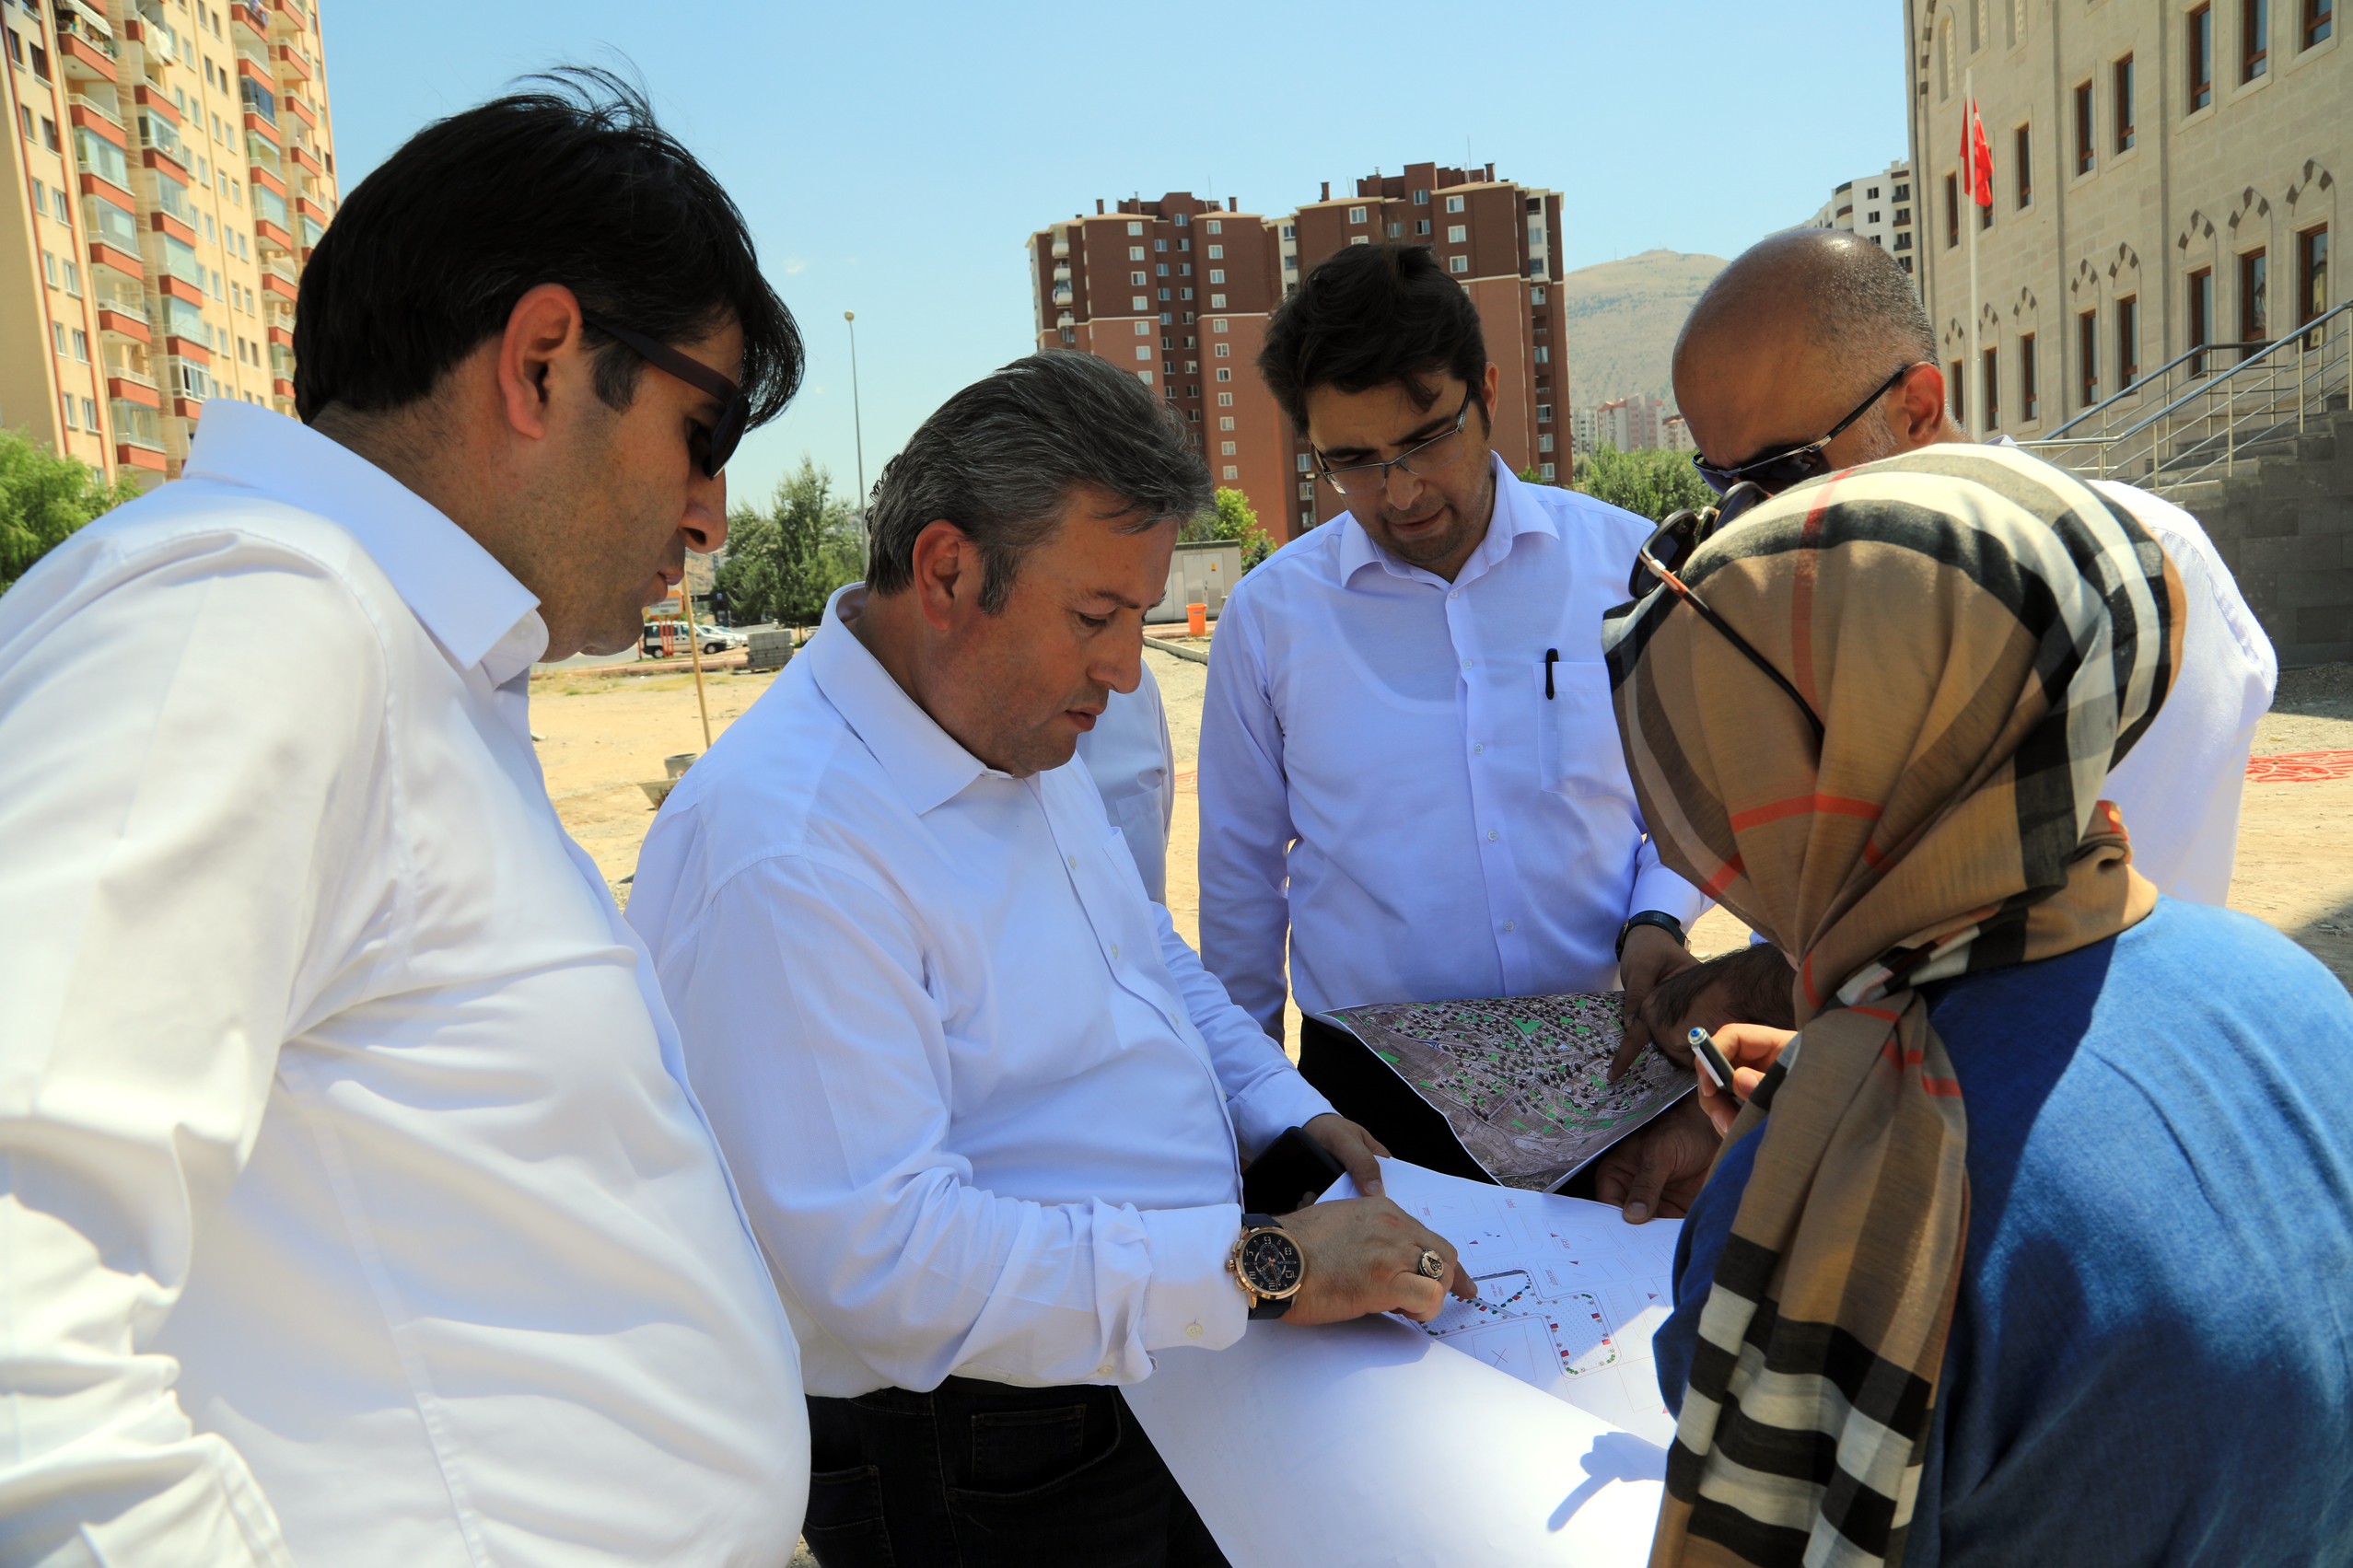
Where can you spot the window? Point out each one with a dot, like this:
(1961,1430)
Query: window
(73,279)
(1069,334)
(1217,302)
(1135,228)
(2254,314)
(2127,341)
(1140,302)
(58,337)
(1903,242)
(1232,472)
(1951,211)
(67,402)
(2254,39)
(2023,154)
(1535,296)
(1870,217)
(2084,133)
(2201,311)
(2320,20)
(1216,276)
(1544,413)
(1396,230)
(1304,461)
(2086,357)
(1544,442)
(1903,193)
(1225,422)
(1225,449)
(1458,264)
(90,414)
(1221,351)
(1217,252)
(1454,203)
(1355,215)
(1215,225)
(1290,231)
(41,62)
(81,344)
(2124,105)
(1142,329)
(1544,471)
(1160,268)
(1872,194)
(1145,377)
(2198,55)
(2029,404)
(1136,253)
(49,271)
(1225,373)
(1159,245)
(1144,351)
(1163,295)
(1960,392)
(2312,273)
(1183,244)
(1421,226)
(1544,355)
(1225,399)
(1360,239)
(1456,233)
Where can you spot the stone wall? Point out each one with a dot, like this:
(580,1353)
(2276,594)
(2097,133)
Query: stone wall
(2284,525)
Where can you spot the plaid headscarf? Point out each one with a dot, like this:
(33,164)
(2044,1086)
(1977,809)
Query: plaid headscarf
(1983,636)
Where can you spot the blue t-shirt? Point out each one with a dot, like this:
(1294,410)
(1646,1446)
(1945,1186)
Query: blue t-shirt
(2152,1357)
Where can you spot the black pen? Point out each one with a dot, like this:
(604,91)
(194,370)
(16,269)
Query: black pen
(1704,1047)
(1552,657)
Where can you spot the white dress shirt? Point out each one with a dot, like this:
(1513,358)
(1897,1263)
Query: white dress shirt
(2179,788)
(1128,756)
(1383,773)
(983,1103)
(356,1210)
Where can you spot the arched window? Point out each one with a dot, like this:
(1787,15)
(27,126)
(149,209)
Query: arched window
(1944,56)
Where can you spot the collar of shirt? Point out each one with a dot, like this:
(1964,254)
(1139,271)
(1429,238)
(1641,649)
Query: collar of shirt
(458,592)
(1513,515)
(926,764)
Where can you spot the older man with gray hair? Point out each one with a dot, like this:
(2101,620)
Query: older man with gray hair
(985,1108)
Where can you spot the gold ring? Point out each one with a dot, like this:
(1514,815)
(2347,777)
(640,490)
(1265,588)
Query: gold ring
(1432,1266)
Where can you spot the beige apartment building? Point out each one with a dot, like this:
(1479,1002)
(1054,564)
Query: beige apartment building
(172,167)
(2166,173)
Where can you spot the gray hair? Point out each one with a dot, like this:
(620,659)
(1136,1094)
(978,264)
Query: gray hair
(1857,303)
(1000,458)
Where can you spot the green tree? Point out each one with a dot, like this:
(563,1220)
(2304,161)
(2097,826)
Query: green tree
(783,563)
(1651,484)
(43,498)
(1233,520)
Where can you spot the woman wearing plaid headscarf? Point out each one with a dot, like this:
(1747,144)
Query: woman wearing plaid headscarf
(2035,1244)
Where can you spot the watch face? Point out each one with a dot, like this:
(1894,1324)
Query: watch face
(1270,1261)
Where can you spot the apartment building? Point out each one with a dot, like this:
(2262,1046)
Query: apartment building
(2166,174)
(173,165)
(1879,208)
(1140,286)
(1177,290)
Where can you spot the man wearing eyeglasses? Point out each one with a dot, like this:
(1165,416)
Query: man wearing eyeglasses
(357,1208)
(1408,763)
(1809,354)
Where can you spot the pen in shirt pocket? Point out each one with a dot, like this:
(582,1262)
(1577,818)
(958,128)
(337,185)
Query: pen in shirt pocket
(1552,658)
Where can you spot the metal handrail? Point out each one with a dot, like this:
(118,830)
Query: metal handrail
(2264,396)
(2138,386)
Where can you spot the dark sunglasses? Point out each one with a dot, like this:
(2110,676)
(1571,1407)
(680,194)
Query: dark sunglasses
(710,448)
(1678,536)
(1776,471)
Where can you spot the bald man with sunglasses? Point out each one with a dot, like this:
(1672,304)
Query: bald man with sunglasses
(1768,371)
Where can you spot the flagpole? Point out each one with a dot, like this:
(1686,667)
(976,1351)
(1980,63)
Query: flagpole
(1972,408)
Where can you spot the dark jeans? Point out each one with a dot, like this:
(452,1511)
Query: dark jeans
(975,1475)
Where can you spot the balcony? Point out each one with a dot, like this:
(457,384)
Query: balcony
(292,62)
(85,43)
(155,39)
(272,237)
(1062,247)
(303,113)
(127,387)
(1062,294)
(278,277)
(250,16)
(124,323)
(294,12)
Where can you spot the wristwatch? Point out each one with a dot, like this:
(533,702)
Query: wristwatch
(1664,922)
(1267,1264)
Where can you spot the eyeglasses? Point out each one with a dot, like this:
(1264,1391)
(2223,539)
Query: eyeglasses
(1433,456)
(1776,471)
(712,447)
(1683,533)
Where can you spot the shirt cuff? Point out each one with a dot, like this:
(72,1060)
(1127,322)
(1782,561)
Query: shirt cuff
(1190,1298)
(1656,887)
(1273,1106)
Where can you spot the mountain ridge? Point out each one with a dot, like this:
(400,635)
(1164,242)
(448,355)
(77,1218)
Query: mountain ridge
(1622,316)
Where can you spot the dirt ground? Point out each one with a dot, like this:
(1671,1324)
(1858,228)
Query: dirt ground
(604,731)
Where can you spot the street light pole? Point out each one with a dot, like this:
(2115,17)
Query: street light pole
(857,424)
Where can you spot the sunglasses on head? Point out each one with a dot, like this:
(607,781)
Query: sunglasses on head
(1657,562)
(711,448)
(1776,471)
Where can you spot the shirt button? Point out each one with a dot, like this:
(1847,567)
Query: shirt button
(1508,924)
(1456,594)
(1193,1331)
(1490,835)
(1074,863)
(1105,1370)
(1466,663)
(1478,747)
(1115,949)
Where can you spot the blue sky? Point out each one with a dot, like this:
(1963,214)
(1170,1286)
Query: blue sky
(892,159)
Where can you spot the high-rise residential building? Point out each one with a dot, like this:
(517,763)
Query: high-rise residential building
(2165,174)
(173,166)
(1879,208)
(1140,287)
(1178,291)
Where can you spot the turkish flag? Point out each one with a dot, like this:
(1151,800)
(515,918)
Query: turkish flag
(1977,157)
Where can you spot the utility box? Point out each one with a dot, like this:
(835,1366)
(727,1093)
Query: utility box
(1198,574)
(770,648)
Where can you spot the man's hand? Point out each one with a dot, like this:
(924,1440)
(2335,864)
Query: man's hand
(1364,1256)
(1352,1147)
(1749,986)
(1659,1169)
(1651,957)
(1749,1050)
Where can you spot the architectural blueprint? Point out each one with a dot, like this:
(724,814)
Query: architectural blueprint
(1522,1081)
(1570,1294)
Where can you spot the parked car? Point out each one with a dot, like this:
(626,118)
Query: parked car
(712,639)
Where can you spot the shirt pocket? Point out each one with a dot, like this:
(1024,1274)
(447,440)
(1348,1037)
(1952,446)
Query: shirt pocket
(1577,750)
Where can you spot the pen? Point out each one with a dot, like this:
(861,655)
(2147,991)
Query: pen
(1710,1054)
(1552,657)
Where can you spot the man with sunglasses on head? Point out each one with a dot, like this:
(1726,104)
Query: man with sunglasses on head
(1810,354)
(359,1211)
(1408,763)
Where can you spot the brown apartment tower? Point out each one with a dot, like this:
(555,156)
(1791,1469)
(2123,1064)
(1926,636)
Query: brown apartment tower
(173,166)
(1151,288)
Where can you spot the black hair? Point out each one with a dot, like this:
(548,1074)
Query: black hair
(1373,316)
(572,184)
(1000,458)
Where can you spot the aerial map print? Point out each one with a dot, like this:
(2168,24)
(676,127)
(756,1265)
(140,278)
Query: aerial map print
(1521,1080)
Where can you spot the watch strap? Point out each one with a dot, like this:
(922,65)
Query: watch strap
(1659,917)
(1262,1307)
